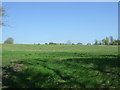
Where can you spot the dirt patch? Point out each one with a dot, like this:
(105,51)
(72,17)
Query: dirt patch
(14,60)
(17,67)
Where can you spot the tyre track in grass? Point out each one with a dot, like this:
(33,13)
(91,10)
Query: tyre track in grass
(66,79)
(57,73)
(44,63)
(73,66)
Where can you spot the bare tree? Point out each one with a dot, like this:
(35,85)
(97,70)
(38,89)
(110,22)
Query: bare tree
(2,10)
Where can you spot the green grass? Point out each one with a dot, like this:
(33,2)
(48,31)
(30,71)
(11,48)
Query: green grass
(61,66)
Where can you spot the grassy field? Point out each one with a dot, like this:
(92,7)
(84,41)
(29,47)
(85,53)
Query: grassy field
(60,66)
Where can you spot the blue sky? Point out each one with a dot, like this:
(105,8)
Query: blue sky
(39,22)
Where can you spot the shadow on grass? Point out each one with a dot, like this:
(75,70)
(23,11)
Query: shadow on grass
(41,77)
(100,63)
(31,77)
(111,62)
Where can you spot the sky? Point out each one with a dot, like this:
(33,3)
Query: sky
(44,22)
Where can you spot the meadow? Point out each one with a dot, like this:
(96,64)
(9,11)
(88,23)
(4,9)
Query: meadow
(60,66)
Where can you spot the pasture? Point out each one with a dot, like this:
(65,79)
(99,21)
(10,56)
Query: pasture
(60,66)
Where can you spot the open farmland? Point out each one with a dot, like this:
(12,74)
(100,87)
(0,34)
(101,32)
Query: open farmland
(60,66)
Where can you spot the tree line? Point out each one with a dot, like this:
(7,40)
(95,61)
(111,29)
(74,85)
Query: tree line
(105,41)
